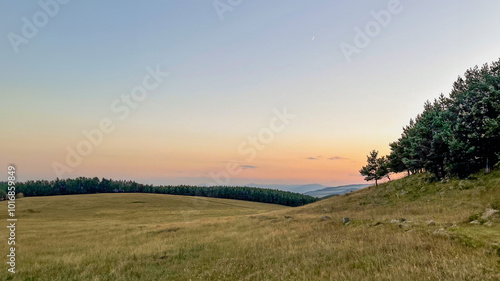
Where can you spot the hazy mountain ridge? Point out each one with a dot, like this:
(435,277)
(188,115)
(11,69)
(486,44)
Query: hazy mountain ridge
(337,190)
(289,187)
(315,189)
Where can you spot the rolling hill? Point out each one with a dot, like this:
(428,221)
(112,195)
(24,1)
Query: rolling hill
(407,229)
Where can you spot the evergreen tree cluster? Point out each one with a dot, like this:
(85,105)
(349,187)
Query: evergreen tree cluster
(83,185)
(456,135)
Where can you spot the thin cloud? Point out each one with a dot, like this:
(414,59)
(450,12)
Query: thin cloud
(244,167)
(329,158)
(337,158)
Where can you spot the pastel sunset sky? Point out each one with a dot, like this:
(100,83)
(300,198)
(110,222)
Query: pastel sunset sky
(231,67)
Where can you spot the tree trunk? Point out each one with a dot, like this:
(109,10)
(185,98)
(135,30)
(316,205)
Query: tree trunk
(487,165)
(376,183)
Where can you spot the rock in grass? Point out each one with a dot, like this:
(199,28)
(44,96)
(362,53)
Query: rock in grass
(488,213)
(346,221)
(394,221)
(325,218)
(431,223)
(441,232)
(475,222)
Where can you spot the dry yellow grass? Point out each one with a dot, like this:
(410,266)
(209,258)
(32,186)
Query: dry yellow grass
(163,237)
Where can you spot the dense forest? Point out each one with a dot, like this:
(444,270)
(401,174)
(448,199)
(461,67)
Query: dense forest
(83,185)
(454,136)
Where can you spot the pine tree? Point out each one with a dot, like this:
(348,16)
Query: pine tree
(376,168)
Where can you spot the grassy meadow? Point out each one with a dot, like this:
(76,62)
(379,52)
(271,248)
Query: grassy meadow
(167,237)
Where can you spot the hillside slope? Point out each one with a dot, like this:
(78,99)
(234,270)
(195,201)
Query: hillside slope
(415,228)
(164,237)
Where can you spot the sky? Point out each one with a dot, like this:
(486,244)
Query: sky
(228,91)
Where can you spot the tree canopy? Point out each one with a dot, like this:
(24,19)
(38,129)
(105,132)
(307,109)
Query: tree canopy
(456,135)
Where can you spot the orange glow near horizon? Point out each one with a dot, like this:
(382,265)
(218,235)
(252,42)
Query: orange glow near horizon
(175,160)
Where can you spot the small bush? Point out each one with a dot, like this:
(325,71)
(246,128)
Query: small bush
(474,217)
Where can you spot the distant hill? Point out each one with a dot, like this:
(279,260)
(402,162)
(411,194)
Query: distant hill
(290,187)
(337,190)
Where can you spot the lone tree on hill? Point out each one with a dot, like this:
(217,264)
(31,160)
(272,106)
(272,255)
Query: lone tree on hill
(376,168)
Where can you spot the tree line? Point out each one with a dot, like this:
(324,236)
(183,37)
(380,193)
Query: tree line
(454,136)
(84,185)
